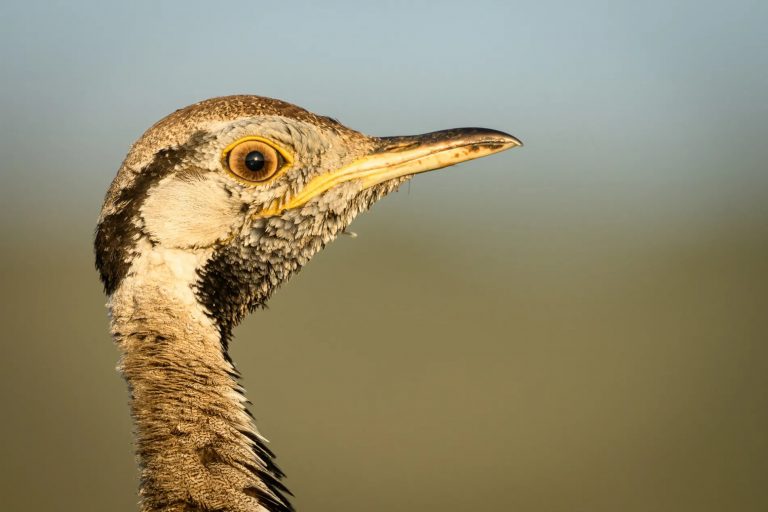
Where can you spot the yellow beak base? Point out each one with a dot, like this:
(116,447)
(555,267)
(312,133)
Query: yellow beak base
(401,156)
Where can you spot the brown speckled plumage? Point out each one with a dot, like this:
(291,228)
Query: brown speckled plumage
(177,128)
(185,250)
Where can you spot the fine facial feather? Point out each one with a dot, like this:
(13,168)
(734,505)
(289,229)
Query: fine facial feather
(190,212)
(186,248)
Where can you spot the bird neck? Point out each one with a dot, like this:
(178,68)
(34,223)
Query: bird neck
(197,446)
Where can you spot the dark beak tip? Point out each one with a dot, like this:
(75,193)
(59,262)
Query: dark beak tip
(514,141)
(506,138)
(490,136)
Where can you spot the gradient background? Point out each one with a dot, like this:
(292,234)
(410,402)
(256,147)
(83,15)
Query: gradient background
(576,325)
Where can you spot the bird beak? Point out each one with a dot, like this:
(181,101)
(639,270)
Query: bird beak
(394,157)
(401,156)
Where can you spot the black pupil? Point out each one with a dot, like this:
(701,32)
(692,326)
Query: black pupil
(254,161)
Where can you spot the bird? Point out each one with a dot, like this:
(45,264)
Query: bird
(214,207)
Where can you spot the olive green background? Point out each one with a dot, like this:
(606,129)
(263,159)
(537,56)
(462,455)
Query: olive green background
(575,325)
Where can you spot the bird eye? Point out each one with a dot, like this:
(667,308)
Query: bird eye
(254,160)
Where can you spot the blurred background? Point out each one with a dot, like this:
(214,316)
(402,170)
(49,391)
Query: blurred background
(576,325)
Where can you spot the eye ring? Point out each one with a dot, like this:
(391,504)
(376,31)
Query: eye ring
(253,160)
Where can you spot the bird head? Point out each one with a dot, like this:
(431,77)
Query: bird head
(243,190)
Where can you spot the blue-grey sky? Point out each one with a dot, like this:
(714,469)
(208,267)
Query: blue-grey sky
(577,324)
(631,101)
